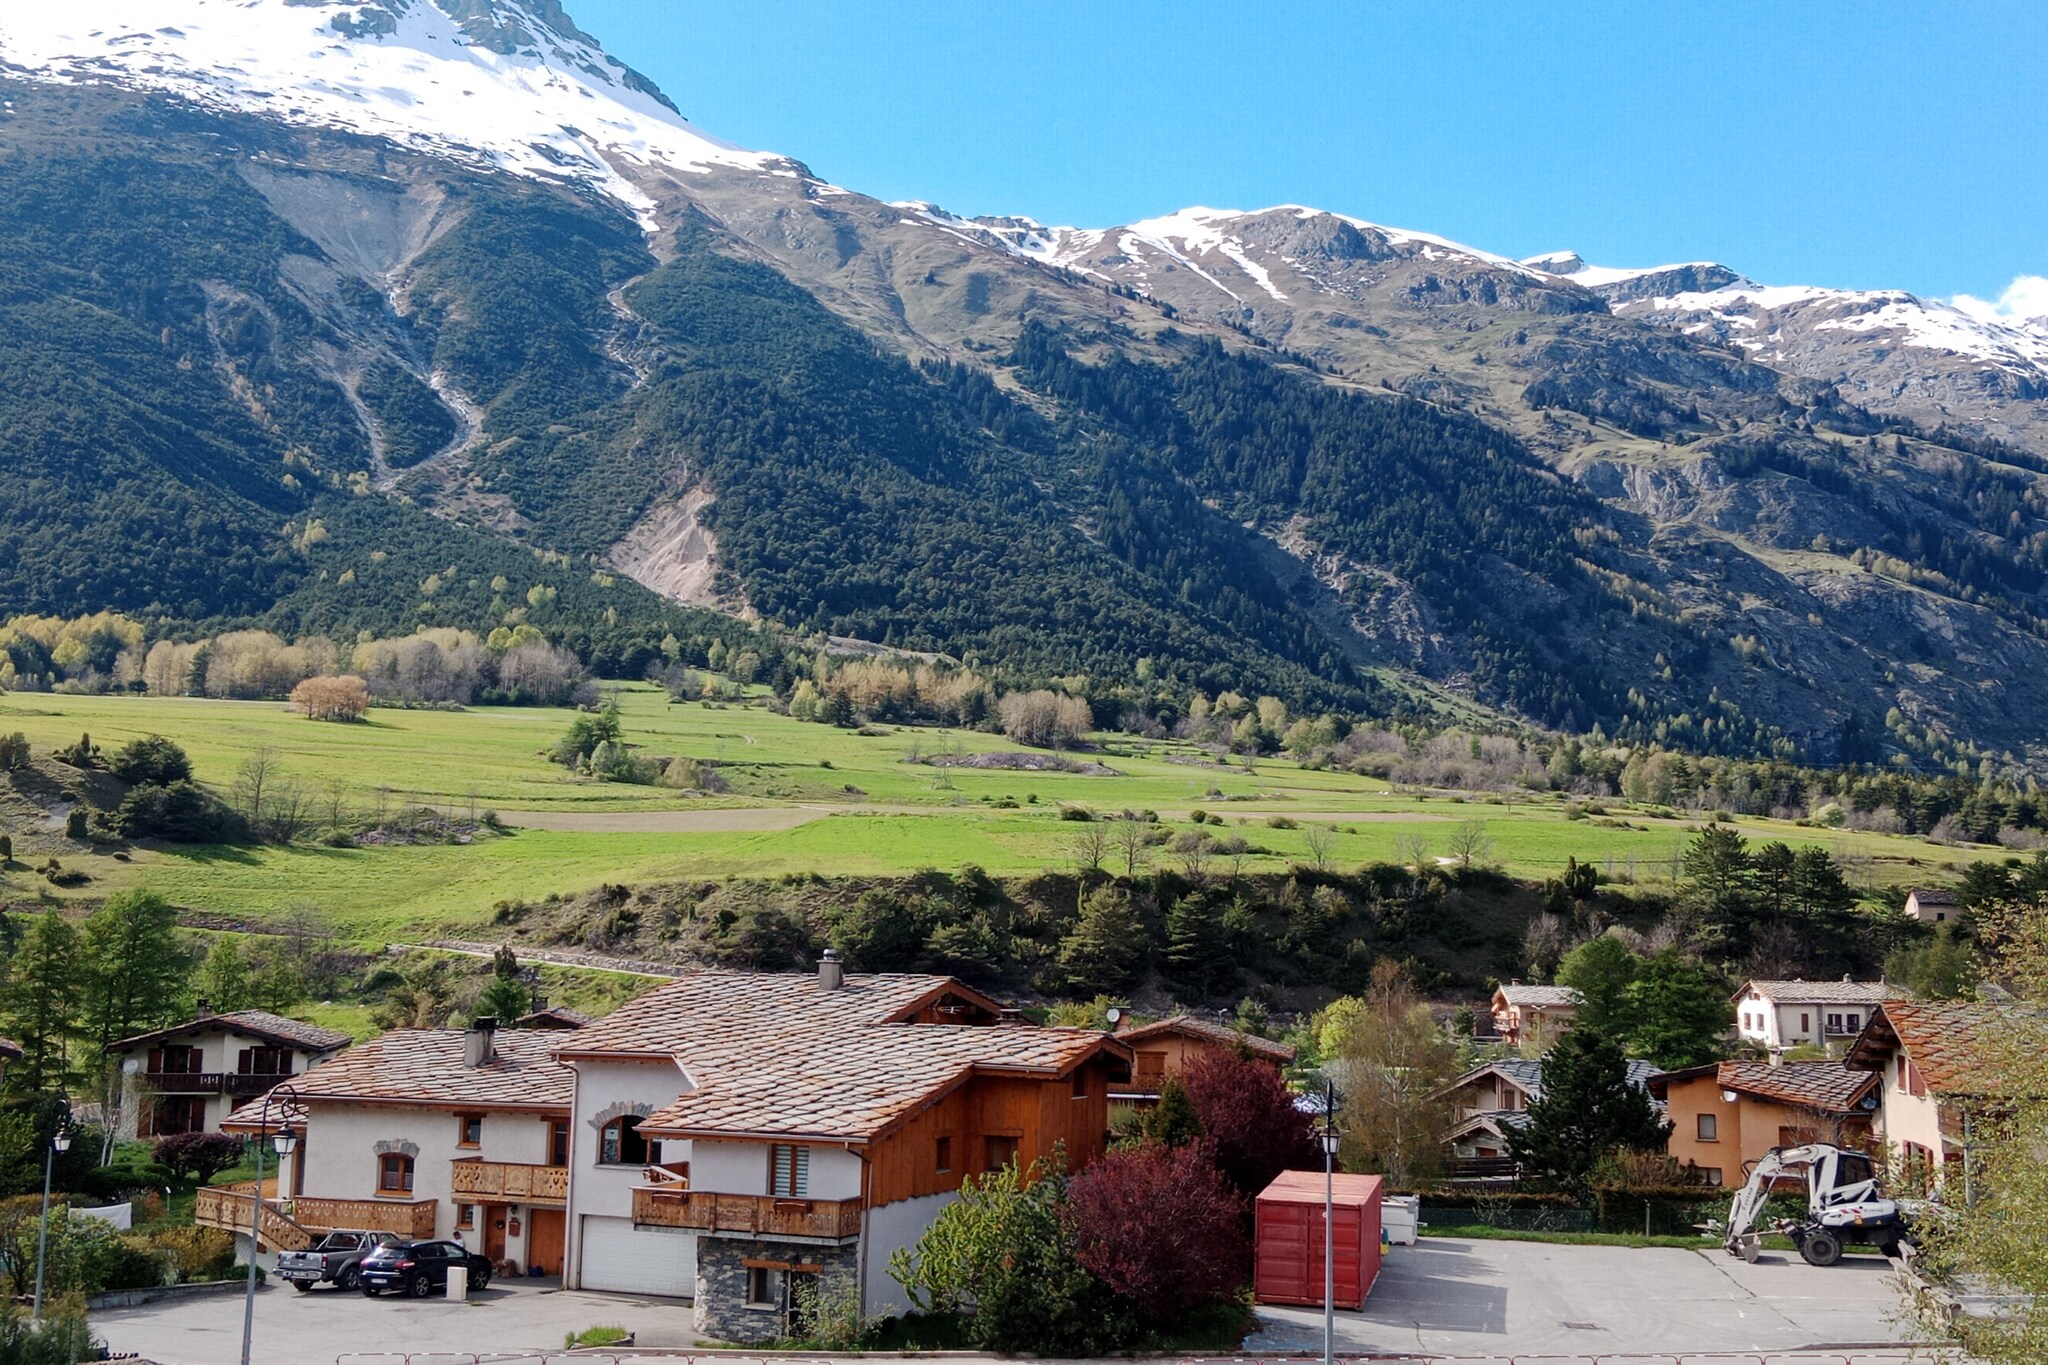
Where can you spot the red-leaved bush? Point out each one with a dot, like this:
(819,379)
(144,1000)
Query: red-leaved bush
(1161,1227)
(1248,1116)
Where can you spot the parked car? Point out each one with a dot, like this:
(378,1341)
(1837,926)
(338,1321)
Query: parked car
(419,1268)
(333,1260)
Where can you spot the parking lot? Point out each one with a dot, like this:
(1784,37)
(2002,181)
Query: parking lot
(1454,1297)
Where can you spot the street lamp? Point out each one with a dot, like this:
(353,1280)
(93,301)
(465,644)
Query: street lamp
(1331,1139)
(60,1141)
(284,1100)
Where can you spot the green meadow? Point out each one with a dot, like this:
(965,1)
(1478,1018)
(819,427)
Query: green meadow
(804,799)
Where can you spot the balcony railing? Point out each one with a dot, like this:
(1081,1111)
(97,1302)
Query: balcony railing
(509,1182)
(294,1224)
(214,1082)
(228,1208)
(759,1215)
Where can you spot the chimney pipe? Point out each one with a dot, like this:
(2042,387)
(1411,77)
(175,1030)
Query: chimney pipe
(201,1008)
(480,1044)
(831,974)
(1777,1055)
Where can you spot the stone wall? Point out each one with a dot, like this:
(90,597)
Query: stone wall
(722,1310)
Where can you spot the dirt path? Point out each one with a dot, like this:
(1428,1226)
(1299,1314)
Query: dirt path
(753,820)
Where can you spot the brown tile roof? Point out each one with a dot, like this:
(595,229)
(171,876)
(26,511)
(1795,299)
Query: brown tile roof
(851,1084)
(425,1068)
(552,1016)
(1826,1086)
(1825,992)
(1931,896)
(1189,1026)
(258,1024)
(1942,1038)
(768,1006)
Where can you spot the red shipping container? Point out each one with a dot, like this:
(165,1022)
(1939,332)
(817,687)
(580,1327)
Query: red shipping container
(1288,1239)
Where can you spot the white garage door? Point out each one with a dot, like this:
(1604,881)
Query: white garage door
(629,1260)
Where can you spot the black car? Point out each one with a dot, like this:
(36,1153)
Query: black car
(419,1268)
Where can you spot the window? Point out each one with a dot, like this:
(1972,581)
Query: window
(469,1131)
(1854,1022)
(942,1155)
(1709,1127)
(465,1215)
(264,1061)
(1805,1024)
(394,1173)
(1712,1174)
(558,1142)
(1080,1082)
(789,1171)
(619,1143)
(1834,1023)
(764,1287)
(997,1152)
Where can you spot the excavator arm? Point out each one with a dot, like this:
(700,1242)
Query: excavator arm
(1740,1234)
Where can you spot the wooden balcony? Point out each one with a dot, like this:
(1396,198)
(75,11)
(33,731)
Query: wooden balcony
(475,1181)
(228,1208)
(756,1215)
(214,1082)
(295,1224)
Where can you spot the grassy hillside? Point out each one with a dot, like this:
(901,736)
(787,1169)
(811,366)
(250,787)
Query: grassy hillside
(805,800)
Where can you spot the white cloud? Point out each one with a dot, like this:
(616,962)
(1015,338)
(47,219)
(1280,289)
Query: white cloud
(2025,298)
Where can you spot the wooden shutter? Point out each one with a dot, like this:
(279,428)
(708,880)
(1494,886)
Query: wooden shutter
(789,1171)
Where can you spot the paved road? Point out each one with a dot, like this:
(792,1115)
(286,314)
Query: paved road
(1455,1297)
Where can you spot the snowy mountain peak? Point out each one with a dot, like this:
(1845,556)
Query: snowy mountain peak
(511,83)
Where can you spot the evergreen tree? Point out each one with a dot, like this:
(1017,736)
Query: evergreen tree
(1677,1011)
(507,997)
(1720,886)
(38,1006)
(1198,957)
(1601,970)
(1817,888)
(1102,954)
(1588,1110)
(224,977)
(134,974)
(1941,969)
(1172,1122)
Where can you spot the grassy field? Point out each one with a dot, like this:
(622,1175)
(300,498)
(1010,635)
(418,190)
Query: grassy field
(805,799)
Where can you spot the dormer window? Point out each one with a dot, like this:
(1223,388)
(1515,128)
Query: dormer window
(619,1143)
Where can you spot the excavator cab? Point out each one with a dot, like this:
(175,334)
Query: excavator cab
(1843,1204)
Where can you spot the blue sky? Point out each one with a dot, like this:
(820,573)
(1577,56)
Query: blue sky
(1865,145)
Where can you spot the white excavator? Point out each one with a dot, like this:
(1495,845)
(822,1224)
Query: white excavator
(1843,1204)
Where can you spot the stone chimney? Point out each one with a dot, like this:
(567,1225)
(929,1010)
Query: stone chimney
(1777,1055)
(480,1044)
(831,974)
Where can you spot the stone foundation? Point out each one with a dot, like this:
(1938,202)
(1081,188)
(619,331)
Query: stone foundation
(722,1310)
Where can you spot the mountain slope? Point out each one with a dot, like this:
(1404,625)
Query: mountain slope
(343,262)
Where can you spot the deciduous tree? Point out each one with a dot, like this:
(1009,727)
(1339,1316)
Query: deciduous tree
(1162,1228)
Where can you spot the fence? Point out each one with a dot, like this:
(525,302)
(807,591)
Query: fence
(1898,1355)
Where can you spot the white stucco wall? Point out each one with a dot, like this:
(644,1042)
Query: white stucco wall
(603,1088)
(742,1168)
(218,1051)
(889,1228)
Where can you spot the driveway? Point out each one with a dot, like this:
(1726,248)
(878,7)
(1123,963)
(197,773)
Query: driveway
(325,1325)
(1450,1296)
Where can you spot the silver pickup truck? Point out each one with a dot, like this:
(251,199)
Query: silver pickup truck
(332,1260)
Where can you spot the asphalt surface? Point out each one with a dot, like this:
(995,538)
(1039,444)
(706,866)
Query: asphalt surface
(1455,1297)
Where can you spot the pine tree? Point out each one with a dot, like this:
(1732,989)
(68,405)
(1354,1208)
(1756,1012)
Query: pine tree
(1172,1122)
(1601,970)
(1588,1109)
(1678,1012)
(134,973)
(38,1004)
(1198,955)
(224,979)
(1102,954)
(507,997)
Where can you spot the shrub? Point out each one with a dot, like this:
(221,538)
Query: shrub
(60,1339)
(84,754)
(196,1253)
(197,1156)
(13,752)
(1162,1227)
(151,759)
(1248,1115)
(6,849)
(181,813)
(75,823)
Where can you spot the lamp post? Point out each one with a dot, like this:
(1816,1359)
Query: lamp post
(1332,1139)
(60,1141)
(284,1100)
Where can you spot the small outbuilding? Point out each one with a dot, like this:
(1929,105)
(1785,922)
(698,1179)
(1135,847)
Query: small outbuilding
(1288,1239)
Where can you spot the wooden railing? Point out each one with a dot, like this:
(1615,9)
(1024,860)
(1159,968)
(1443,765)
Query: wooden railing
(214,1082)
(474,1180)
(407,1218)
(667,1206)
(228,1208)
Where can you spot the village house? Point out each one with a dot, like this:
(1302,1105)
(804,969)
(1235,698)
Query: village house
(1725,1115)
(1490,1101)
(1533,1012)
(1927,1060)
(1168,1047)
(188,1077)
(10,1051)
(449,1133)
(552,1016)
(1932,907)
(1785,1014)
(738,1138)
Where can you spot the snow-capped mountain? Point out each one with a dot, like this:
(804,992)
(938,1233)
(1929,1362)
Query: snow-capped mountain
(511,83)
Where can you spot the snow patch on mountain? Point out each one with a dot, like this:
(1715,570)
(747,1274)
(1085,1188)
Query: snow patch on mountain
(509,83)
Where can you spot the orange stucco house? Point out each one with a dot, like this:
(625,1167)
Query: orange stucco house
(1725,1115)
(1170,1046)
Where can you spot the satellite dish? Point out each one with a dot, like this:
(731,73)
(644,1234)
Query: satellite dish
(1114,1015)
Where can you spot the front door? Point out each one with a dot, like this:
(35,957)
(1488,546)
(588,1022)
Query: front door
(495,1216)
(544,1241)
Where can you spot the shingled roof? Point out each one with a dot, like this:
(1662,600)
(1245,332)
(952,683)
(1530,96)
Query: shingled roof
(780,1055)
(9,1050)
(426,1068)
(1798,992)
(1541,997)
(1944,1039)
(1827,1087)
(1189,1026)
(261,1025)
